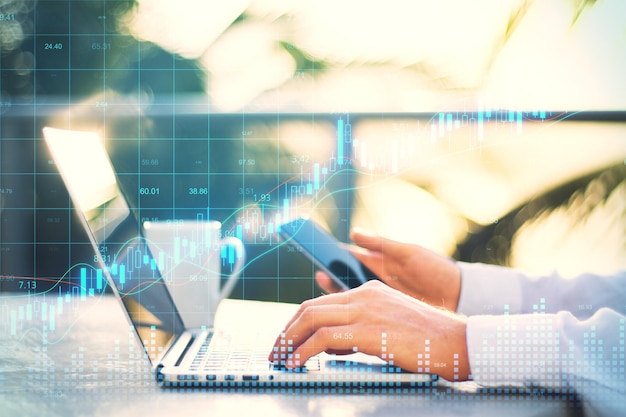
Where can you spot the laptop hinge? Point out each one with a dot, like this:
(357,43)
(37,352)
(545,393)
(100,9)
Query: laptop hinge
(184,352)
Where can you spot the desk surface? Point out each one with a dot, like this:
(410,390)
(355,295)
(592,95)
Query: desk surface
(86,361)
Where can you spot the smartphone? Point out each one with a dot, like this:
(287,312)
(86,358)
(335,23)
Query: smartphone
(326,252)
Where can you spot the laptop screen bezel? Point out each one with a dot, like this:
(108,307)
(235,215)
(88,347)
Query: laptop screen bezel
(48,132)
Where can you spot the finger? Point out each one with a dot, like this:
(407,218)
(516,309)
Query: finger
(371,259)
(306,322)
(326,283)
(381,264)
(329,299)
(382,256)
(308,309)
(304,326)
(380,244)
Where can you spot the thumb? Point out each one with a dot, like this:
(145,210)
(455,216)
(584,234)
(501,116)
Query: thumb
(375,243)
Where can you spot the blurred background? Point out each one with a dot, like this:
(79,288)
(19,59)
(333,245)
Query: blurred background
(491,131)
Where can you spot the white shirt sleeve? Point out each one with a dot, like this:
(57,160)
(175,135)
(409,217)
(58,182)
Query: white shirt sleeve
(490,289)
(549,332)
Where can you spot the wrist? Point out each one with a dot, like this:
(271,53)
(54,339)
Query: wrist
(453,363)
(449,281)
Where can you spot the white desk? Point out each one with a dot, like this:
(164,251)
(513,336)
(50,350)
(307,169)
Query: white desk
(92,365)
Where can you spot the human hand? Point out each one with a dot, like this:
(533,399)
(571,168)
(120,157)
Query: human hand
(377,320)
(411,269)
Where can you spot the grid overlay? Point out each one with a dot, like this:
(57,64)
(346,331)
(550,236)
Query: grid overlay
(179,160)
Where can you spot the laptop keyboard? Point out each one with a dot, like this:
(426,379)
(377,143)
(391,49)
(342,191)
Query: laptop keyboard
(220,352)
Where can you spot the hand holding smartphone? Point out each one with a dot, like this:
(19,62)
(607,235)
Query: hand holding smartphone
(327,253)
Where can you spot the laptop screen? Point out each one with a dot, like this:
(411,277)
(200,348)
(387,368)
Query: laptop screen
(122,252)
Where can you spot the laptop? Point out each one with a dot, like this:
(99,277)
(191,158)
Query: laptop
(233,352)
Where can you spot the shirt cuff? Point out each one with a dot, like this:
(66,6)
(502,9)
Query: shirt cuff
(489,289)
(515,351)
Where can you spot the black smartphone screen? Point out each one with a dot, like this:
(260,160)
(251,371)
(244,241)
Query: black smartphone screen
(326,252)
